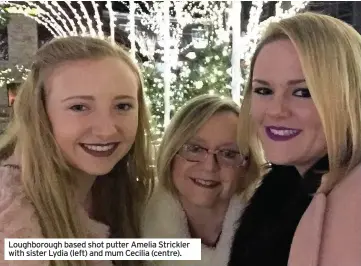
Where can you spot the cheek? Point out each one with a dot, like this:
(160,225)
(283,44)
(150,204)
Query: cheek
(66,127)
(178,173)
(230,176)
(309,117)
(177,170)
(128,124)
(257,109)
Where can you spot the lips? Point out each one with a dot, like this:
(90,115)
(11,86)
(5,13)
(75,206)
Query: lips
(282,133)
(210,184)
(100,149)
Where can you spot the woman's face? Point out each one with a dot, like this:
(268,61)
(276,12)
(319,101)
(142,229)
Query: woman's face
(211,180)
(93,110)
(286,118)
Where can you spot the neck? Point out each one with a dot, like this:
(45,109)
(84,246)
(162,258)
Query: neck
(205,223)
(83,187)
(303,169)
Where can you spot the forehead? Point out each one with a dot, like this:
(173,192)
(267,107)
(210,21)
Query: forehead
(92,77)
(278,61)
(220,129)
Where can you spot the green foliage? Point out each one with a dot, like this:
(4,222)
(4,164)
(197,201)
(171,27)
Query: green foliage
(206,73)
(153,86)
(4,17)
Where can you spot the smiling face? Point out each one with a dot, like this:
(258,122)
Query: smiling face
(287,120)
(93,109)
(208,183)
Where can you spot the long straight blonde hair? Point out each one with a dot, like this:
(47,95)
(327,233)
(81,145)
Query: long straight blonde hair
(330,55)
(118,198)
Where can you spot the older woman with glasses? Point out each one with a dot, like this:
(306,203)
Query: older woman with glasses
(202,180)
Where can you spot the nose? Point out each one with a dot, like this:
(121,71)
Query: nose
(278,106)
(104,126)
(210,163)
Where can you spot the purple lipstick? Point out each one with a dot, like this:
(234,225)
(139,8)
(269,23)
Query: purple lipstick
(281,133)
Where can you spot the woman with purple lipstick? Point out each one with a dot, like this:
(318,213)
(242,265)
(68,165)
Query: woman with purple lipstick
(202,181)
(302,108)
(76,159)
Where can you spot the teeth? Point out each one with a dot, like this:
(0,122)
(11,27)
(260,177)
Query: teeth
(283,132)
(206,182)
(99,147)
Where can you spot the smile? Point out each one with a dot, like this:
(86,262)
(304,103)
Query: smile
(282,133)
(205,183)
(100,150)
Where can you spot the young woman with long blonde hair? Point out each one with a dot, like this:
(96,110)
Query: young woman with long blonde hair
(76,158)
(302,107)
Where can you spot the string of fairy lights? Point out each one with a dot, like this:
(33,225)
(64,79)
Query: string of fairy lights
(60,23)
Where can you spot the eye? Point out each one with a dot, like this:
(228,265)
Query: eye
(229,154)
(124,106)
(263,91)
(193,148)
(304,93)
(78,108)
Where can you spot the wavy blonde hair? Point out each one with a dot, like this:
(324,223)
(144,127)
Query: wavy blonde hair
(184,125)
(119,197)
(330,56)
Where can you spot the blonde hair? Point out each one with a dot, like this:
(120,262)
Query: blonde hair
(330,55)
(119,197)
(184,125)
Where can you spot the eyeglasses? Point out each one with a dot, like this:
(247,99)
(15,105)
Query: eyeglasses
(224,157)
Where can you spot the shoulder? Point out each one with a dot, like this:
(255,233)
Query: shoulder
(164,216)
(18,218)
(346,193)
(353,179)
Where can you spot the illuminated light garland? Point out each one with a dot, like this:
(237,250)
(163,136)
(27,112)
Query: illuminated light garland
(20,10)
(132,27)
(255,34)
(251,37)
(73,31)
(78,18)
(209,13)
(278,8)
(89,21)
(167,61)
(111,20)
(58,16)
(7,76)
(54,29)
(236,55)
(97,19)
(46,16)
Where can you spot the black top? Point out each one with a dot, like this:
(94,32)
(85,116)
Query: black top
(268,223)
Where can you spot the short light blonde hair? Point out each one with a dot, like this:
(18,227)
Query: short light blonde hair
(119,197)
(184,125)
(330,55)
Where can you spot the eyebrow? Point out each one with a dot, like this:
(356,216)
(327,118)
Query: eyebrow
(92,98)
(290,82)
(227,144)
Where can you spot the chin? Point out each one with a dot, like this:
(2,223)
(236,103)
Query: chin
(98,171)
(203,203)
(279,159)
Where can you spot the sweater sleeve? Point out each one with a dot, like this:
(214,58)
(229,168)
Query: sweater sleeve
(18,218)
